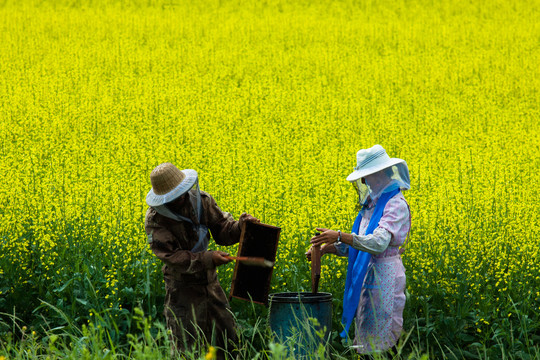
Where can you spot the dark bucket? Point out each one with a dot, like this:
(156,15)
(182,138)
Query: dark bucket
(289,315)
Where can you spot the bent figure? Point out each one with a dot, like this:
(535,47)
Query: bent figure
(178,223)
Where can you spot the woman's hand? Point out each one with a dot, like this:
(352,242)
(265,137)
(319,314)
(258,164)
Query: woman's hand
(325,237)
(328,249)
(308,254)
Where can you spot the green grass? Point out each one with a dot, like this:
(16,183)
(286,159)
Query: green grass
(148,339)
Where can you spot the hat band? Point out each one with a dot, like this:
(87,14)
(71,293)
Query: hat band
(370,159)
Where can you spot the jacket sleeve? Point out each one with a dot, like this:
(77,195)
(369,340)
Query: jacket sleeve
(374,243)
(225,230)
(342,249)
(396,220)
(392,229)
(165,247)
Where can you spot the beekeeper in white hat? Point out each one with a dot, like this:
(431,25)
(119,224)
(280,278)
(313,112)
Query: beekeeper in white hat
(375,286)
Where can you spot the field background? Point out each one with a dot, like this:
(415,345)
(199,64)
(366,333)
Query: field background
(269,101)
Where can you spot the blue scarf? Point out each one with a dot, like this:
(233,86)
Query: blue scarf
(358,263)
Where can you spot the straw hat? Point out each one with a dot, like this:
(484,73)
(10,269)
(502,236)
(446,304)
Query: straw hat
(169,183)
(370,161)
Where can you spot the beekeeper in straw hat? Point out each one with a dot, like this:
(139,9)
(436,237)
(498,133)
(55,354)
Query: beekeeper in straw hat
(178,223)
(375,286)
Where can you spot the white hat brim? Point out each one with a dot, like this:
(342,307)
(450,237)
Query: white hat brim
(152,199)
(358,174)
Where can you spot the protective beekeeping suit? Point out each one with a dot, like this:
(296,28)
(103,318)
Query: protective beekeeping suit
(178,223)
(374,293)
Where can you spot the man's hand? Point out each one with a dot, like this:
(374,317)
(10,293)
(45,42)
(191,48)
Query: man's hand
(218,257)
(246,217)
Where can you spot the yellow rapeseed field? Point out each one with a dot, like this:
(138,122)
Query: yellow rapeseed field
(269,101)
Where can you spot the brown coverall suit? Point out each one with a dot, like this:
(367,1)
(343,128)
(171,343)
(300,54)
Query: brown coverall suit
(191,284)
